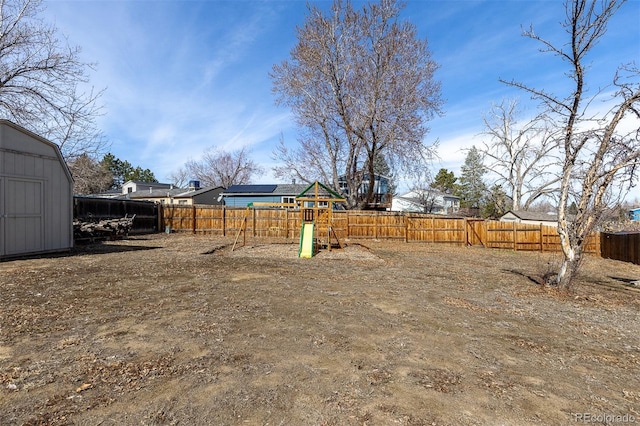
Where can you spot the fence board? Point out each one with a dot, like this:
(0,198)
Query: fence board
(621,246)
(435,230)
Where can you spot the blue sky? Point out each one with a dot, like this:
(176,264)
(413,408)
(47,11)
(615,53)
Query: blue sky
(185,76)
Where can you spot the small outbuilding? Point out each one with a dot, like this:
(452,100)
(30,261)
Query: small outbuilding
(36,194)
(534,218)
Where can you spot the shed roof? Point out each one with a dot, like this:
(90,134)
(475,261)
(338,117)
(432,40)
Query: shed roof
(539,216)
(55,147)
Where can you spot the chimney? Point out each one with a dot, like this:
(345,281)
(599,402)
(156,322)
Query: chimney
(194,185)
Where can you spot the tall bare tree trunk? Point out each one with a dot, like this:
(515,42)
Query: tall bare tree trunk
(570,263)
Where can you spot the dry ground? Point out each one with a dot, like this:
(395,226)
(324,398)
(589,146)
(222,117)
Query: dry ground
(177,329)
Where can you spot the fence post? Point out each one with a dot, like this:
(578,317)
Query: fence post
(375,225)
(433,229)
(160,217)
(406,227)
(541,239)
(286,223)
(254,222)
(194,217)
(515,236)
(224,221)
(466,232)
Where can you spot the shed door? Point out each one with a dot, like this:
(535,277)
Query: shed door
(23,216)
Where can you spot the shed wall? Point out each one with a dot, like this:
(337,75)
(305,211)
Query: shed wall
(36,194)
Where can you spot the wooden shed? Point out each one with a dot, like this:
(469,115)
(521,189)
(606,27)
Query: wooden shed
(36,194)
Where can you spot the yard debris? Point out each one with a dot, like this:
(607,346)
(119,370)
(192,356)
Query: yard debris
(89,231)
(84,387)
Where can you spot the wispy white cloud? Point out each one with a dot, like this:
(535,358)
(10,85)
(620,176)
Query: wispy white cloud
(182,77)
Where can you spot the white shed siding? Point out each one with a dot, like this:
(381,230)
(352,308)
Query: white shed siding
(36,194)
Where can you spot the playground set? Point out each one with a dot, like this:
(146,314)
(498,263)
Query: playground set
(316,204)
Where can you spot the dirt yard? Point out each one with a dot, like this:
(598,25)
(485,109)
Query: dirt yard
(177,329)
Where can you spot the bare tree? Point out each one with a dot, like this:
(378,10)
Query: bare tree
(521,154)
(89,175)
(41,81)
(425,193)
(598,155)
(220,168)
(360,85)
(179,178)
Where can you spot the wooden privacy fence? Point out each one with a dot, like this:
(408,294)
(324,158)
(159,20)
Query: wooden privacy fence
(623,246)
(93,209)
(286,223)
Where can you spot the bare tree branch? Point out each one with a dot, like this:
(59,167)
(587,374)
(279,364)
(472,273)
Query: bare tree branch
(220,168)
(42,81)
(522,154)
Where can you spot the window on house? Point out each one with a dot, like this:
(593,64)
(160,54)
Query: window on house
(182,201)
(290,200)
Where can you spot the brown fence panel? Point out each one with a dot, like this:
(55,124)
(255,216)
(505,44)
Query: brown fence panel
(527,237)
(449,231)
(362,224)
(550,239)
(420,228)
(178,218)
(234,221)
(390,226)
(500,235)
(435,229)
(209,219)
(340,224)
(592,245)
(273,223)
(621,246)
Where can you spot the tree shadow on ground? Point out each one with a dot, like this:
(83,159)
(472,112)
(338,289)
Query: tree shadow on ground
(96,248)
(628,282)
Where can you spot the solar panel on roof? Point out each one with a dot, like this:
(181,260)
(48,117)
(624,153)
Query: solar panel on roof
(251,189)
